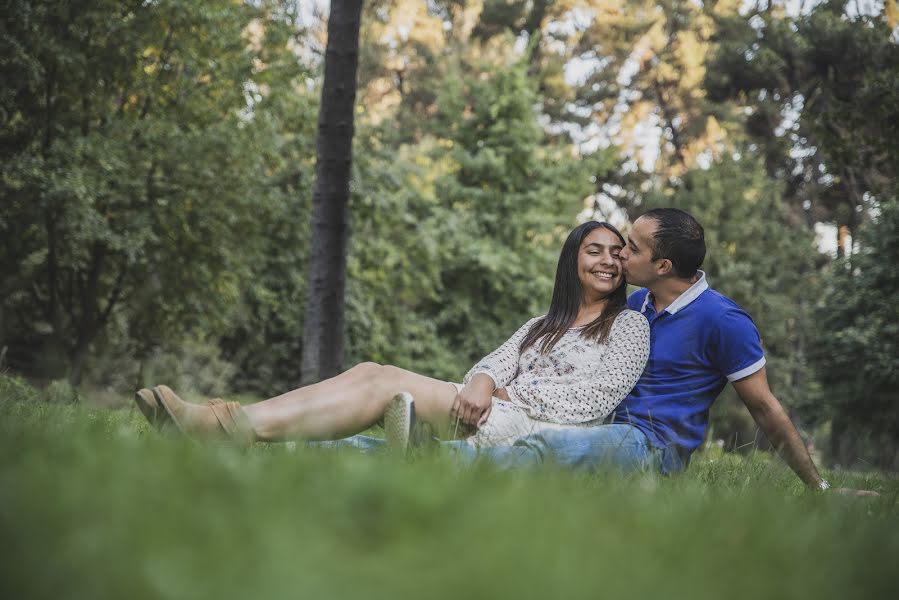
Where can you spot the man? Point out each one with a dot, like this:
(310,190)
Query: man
(700,341)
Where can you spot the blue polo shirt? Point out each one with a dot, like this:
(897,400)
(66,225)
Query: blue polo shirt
(698,344)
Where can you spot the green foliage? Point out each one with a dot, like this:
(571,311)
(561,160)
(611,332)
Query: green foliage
(264,337)
(857,344)
(138,187)
(60,391)
(194,366)
(821,93)
(95,503)
(454,245)
(16,389)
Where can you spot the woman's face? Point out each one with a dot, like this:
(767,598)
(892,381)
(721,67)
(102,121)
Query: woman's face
(598,264)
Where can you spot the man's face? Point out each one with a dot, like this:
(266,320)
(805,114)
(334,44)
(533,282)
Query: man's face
(636,257)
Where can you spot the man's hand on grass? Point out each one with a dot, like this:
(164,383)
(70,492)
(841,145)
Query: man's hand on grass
(858,493)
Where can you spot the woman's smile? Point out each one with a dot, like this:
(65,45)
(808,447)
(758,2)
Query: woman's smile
(603,274)
(599,265)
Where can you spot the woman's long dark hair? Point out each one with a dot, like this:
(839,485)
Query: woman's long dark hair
(568,294)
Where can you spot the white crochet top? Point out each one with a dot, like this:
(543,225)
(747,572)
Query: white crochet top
(579,381)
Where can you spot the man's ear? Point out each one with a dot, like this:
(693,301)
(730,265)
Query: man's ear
(665,267)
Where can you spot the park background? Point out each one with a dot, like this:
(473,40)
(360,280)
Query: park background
(156,199)
(159,165)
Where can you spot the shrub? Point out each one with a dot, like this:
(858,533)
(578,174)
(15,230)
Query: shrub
(59,391)
(16,389)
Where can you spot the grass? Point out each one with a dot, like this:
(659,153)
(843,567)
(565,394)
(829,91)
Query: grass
(94,504)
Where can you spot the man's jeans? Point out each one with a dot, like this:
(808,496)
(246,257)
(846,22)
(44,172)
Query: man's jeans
(589,449)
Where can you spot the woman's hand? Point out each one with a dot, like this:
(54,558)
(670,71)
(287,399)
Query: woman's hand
(473,402)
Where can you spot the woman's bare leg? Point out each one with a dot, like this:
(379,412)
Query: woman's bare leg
(348,403)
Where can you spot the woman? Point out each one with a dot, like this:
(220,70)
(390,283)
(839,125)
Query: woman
(569,368)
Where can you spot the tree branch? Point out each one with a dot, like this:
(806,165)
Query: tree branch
(115,296)
(91,288)
(52,271)
(48,108)
(163,58)
(669,114)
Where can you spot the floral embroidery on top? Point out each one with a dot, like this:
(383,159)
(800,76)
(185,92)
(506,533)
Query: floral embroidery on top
(579,381)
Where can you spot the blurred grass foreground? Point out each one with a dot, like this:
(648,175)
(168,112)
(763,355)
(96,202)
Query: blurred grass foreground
(95,504)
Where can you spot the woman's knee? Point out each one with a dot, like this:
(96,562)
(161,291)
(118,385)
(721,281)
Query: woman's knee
(367,370)
(387,379)
(392,373)
(381,380)
(376,377)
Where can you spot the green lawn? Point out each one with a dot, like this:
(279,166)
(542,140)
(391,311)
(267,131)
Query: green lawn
(94,504)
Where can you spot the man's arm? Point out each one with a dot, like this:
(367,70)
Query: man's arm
(772,418)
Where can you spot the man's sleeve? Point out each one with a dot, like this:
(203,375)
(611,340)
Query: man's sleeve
(635,300)
(738,347)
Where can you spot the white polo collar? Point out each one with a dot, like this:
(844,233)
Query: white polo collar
(689,295)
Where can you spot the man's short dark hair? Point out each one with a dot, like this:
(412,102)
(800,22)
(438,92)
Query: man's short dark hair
(679,238)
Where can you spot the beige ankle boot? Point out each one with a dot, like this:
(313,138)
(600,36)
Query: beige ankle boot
(234,421)
(150,408)
(216,420)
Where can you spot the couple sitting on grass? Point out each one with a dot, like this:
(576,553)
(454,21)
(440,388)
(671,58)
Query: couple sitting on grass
(601,379)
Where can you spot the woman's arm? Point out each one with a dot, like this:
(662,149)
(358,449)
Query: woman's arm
(615,374)
(502,364)
(473,403)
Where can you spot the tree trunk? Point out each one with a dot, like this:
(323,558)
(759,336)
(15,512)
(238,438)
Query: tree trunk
(324,319)
(77,363)
(842,443)
(533,27)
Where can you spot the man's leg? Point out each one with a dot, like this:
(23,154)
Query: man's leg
(589,449)
(363,443)
(524,453)
(621,447)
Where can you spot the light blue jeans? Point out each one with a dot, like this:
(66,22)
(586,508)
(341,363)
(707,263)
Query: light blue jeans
(587,449)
